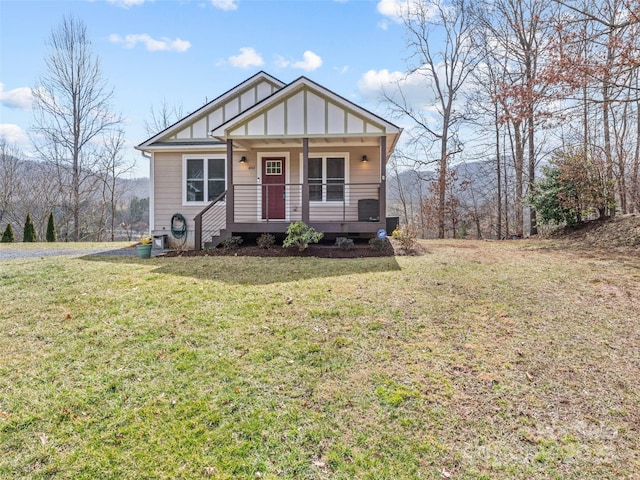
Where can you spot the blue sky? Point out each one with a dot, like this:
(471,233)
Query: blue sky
(187,52)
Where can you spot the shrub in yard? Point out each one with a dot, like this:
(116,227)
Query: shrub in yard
(407,237)
(51,229)
(7,236)
(378,243)
(266,240)
(344,243)
(231,243)
(301,235)
(29,230)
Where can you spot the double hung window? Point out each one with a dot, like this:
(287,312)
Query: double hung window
(327,176)
(205,178)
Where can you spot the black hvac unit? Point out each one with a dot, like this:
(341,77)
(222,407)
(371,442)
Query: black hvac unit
(368,210)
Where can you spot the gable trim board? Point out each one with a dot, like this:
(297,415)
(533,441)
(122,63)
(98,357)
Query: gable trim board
(175,133)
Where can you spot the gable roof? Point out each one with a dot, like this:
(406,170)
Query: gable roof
(195,127)
(264,109)
(304,108)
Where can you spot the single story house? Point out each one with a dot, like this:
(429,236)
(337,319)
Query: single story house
(265,154)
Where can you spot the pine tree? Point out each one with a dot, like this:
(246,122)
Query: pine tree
(7,236)
(51,229)
(29,230)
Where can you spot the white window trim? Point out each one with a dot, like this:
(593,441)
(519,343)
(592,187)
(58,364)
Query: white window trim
(287,180)
(205,166)
(324,156)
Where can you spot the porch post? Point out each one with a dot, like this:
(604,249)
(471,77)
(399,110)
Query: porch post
(230,216)
(305,180)
(383,180)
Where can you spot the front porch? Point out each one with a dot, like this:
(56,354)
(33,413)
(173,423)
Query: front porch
(335,208)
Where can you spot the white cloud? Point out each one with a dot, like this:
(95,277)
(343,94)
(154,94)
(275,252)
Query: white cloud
(225,5)
(415,90)
(19,98)
(415,87)
(281,62)
(13,134)
(310,62)
(247,57)
(374,81)
(395,10)
(392,9)
(163,44)
(126,3)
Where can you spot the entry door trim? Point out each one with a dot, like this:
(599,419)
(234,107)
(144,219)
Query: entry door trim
(287,180)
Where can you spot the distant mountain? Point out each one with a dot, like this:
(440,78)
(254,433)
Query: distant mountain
(479,176)
(136,187)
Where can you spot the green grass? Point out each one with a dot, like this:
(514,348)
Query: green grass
(62,246)
(476,360)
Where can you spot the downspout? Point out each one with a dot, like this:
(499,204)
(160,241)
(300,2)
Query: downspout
(150,157)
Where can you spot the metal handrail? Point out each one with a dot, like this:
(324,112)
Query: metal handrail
(199,217)
(248,199)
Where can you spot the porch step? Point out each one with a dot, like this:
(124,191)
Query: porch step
(217,239)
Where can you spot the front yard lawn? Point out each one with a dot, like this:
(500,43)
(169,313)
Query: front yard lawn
(477,360)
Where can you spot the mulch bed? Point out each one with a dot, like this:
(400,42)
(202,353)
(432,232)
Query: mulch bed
(321,250)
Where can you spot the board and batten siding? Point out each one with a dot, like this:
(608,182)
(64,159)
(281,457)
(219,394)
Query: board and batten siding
(199,129)
(305,113)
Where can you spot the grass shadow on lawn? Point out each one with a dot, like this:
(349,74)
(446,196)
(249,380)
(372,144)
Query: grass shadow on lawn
(245,270)
(480,360)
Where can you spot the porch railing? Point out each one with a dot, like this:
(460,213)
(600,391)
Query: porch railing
(328,202)
(210,221)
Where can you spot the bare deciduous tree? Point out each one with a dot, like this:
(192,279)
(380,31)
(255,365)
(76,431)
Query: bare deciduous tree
(162,117)
(113,167)
(444,72)
(72,111)
(11,172)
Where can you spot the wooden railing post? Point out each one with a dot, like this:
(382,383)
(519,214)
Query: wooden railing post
(305,180)
(198,232)
(230,189)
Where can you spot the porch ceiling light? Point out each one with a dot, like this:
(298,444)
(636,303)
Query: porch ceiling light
(243,159)
(364,159)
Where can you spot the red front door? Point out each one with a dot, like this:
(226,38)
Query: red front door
(273,188)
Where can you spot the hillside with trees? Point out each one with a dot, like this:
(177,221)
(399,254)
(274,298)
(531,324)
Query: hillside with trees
(79,173)
(120,212)
(515,86)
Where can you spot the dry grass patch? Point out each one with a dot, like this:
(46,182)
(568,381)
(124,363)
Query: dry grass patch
(474,360)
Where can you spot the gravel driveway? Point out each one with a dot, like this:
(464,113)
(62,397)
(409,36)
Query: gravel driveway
(10,254)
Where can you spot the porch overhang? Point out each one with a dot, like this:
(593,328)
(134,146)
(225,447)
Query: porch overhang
(314,143)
